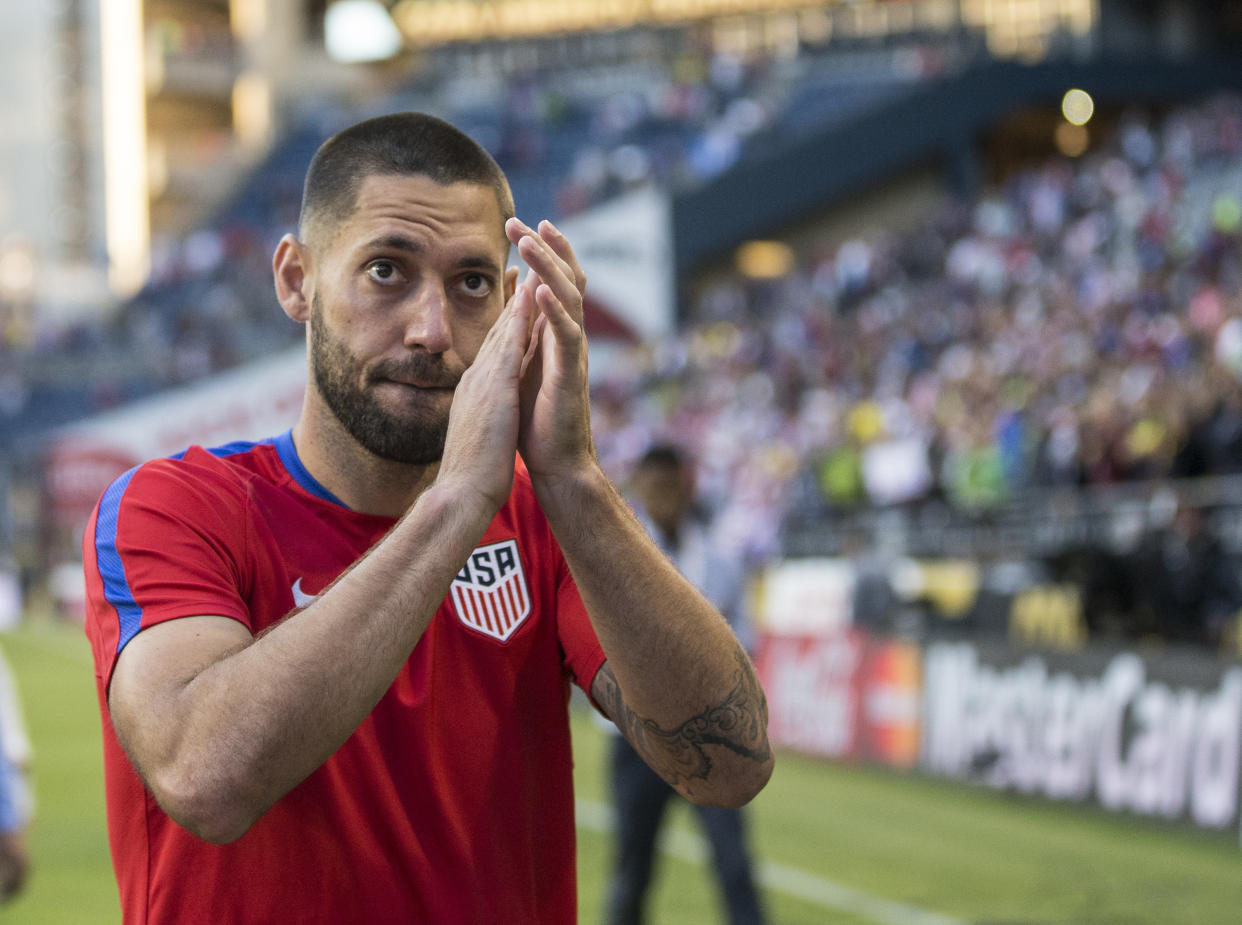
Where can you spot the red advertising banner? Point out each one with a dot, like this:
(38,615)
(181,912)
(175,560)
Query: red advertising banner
(891,689)
(844,695)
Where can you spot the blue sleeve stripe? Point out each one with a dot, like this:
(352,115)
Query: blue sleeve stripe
(235,448)
(11,816)
(111,569)
(10,819)
(289,456)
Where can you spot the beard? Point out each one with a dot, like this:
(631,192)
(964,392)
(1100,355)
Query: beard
(416,437)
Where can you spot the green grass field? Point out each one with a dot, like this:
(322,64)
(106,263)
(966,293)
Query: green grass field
(837,844)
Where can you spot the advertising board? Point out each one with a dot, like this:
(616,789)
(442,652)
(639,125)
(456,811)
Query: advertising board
(1152,734)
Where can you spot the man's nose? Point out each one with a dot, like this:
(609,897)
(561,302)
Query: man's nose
(428,325)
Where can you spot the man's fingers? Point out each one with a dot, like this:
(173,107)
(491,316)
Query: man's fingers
(565,325)
(552,271)
(561,246)
(532,345)
(512,326)
(517,330)
(546,256)
(516,229)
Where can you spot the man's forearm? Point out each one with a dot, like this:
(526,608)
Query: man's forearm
(252,723)
(677,682)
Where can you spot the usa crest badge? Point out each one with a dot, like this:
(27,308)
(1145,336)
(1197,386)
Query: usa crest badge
(490,593)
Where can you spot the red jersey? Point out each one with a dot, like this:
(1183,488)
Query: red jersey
(452,801)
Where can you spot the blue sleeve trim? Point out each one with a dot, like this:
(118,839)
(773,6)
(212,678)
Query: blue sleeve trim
(10,818)
(229,449)
(111,569)
(289,456)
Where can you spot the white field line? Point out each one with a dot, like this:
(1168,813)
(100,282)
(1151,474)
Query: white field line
(791,881)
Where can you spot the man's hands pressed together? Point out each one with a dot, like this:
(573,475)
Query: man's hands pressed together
(676,681)
(527,389)
(555,438)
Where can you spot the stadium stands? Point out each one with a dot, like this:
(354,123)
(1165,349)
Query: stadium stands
(565,144)
(1079,326)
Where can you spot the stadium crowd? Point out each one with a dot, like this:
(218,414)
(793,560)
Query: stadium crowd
(565,146)
(1079,325)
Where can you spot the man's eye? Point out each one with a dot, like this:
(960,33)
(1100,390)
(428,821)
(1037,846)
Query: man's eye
(382,271)
(476,284)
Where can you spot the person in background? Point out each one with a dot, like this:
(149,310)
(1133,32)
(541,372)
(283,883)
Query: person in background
(15,807)
(663,496)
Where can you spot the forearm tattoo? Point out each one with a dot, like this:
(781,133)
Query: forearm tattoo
(678,755)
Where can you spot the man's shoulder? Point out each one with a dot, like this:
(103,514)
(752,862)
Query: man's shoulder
(195,473)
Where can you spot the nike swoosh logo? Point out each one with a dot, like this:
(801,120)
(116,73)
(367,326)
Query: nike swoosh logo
(300,597)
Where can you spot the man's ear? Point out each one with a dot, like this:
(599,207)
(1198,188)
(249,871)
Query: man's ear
(291,266)
(511,278)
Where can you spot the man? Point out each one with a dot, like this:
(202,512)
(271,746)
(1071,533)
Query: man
(333,666)
(15,802)
(664,493)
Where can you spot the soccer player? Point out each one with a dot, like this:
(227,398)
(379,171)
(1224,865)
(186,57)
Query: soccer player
(333,666)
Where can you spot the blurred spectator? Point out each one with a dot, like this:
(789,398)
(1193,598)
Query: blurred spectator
(15,806)
(663,499)
(566,144)
(1080,325)
(1188,588)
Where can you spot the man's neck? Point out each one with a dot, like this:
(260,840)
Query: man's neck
(361,480)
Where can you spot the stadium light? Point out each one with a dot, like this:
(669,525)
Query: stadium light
(127,216)
(17,269)
(1077,107)
(248,19)
(764,259)
(252,110)
(359,31)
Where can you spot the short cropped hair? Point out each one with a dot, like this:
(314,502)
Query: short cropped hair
(400,144)
(662,456)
